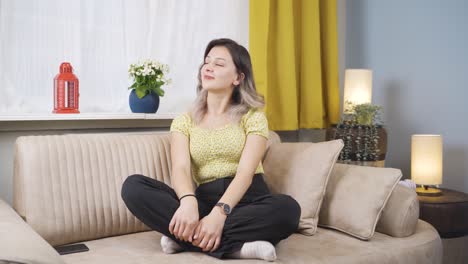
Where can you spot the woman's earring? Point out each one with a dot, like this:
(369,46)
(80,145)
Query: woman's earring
(236,83)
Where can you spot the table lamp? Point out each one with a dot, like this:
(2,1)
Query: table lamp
(426,163)
(357,88)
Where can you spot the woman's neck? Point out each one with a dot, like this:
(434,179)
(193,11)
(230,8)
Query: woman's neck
(217,103)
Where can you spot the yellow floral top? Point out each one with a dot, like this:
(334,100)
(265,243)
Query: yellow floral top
(215,153)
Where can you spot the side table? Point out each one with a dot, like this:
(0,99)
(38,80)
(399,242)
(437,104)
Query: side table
(448,214)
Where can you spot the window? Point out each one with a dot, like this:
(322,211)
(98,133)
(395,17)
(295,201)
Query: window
(100,39)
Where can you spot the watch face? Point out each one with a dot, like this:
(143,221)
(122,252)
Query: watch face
(226,209)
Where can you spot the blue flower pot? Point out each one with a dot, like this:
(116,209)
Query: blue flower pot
(147,104)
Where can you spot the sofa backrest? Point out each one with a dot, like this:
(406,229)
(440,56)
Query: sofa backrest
(67,187)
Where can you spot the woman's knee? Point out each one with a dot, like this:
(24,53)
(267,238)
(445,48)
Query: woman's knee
(289,211)
(131,186)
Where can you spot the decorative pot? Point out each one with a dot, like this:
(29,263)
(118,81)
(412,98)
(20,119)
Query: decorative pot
(148,104)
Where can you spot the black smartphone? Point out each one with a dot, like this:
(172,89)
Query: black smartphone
(69,249)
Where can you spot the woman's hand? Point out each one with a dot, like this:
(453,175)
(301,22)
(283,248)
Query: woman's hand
(185,220)
(209,230)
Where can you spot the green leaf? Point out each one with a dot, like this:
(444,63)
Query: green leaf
(141,92)
(159,91)
(134,85)
(140,80)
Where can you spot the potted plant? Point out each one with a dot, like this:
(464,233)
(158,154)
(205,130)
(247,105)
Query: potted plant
(148,78)
(365,138)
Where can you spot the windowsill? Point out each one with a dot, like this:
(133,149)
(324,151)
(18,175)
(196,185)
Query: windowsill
(50,121)
(85,116)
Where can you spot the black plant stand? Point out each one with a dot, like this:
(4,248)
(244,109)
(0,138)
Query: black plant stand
(359,144)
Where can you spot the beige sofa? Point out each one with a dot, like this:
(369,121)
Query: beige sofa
(67,189)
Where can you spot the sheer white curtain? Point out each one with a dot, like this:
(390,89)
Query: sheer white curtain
(100,39)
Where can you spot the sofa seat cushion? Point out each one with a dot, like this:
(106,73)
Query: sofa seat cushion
(326,246)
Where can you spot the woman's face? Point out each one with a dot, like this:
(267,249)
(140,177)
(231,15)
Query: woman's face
(218,71)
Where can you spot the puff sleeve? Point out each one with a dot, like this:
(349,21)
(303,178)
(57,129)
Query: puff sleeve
(256,123)
(182,124)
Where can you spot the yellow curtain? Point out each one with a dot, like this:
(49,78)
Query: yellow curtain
(294,50)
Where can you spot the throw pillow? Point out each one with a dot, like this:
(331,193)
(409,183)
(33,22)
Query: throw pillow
(355,198)
(301,170)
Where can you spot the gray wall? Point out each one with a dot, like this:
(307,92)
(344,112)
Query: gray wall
(418,51)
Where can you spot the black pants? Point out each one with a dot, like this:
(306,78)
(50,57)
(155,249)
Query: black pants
(259,215)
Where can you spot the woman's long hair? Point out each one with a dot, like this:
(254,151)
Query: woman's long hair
(244,96)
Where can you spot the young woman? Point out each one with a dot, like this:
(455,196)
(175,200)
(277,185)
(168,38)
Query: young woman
(219,144)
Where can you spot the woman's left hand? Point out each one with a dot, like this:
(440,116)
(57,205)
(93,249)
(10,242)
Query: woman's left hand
(209,230)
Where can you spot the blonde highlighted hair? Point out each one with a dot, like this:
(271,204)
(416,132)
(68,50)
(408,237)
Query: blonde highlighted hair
(244,97)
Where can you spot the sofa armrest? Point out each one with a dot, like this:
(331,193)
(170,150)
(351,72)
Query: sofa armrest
(401,213)
(19,242)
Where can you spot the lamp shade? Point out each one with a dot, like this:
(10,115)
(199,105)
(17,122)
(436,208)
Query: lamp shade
(357,87)
(426,159)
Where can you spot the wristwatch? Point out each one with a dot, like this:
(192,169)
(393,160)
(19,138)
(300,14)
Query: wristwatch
(226,208)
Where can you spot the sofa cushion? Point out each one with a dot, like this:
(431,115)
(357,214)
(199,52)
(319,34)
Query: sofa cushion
(400,214)
(301,170)
(20,244)
(325,247)
(355,198)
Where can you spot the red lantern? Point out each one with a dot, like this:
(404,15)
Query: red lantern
(66,91)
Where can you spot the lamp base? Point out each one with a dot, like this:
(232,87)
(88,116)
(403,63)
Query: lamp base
(428,191)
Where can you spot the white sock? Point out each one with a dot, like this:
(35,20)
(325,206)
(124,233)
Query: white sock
(169,246)
(256,250)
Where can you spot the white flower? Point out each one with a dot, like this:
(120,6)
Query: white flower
(131,69)
(166,68)
(152,71)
